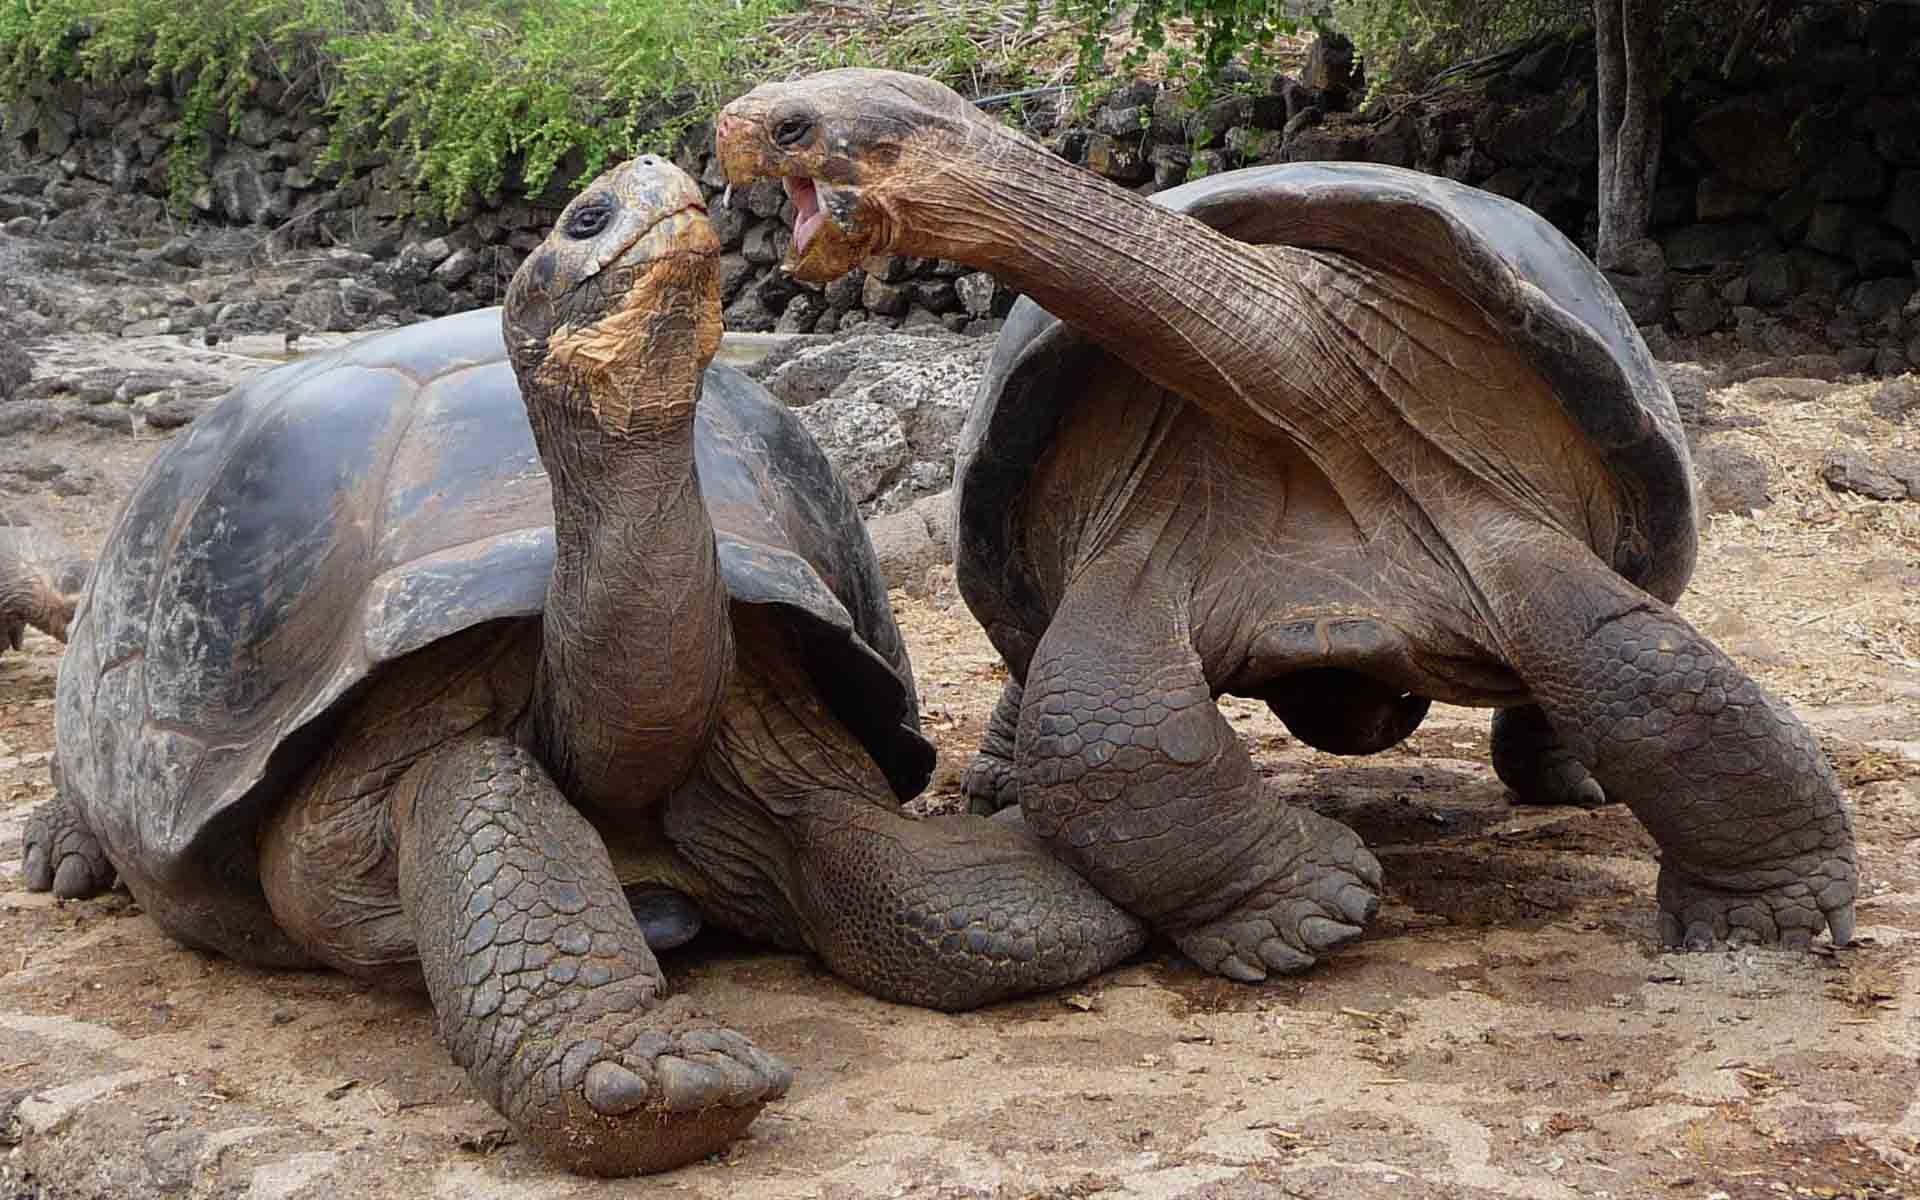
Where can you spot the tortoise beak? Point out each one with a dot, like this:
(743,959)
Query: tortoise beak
(744,155)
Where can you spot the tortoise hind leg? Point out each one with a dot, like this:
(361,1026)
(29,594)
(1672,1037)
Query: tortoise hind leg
(1755,839)
(545,988)
(952,912)
(60,854)
(989,782)
(1536,765)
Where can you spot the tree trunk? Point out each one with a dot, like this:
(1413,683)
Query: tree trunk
(1624,37)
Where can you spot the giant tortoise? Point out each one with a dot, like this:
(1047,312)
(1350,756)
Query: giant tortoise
(41,577)
(394,666)
(1346,438)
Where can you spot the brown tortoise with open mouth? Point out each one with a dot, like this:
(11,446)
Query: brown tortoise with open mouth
(1345,438)
(397,665)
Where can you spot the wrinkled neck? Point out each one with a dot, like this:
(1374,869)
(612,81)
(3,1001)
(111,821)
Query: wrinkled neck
(1191,309)
(637,644)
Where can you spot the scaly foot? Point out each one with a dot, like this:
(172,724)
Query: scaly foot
(1785,905)
(60,854)
(1318,901)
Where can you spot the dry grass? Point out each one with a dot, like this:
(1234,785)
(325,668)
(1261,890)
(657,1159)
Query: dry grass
(1817,568)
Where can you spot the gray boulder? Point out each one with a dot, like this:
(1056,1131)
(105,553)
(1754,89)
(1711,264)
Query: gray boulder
(886,407)
(1732,478)
(911,542)
(864,441)
(1897,400)
(1849,470)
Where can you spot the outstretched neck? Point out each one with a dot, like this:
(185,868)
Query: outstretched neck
(637,644)
(1192,309)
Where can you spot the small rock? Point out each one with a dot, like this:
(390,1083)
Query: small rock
(321,309)
(1688,383)
(1789,391)
(747,315)
(457,268)
(151,327)
(1897,400)
(905,550)
(1857,359)
(844,293)
(1732,479)
(1904,465)
(885,299)
(934,295)
(1877,297)
(174,410)
(15,369)
(894,268)
(106,416)
(1849,470)
(765,197)
(180,252)
(802,313)
(766,243)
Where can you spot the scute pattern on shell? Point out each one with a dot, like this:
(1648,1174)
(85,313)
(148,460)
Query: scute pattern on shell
(1535,287)
(336,513)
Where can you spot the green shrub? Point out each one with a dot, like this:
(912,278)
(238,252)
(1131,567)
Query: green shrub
(1404,43)
(460,90)
(1225,31)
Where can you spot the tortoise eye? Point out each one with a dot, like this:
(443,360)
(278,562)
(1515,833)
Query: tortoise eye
(792,131)
(588,220)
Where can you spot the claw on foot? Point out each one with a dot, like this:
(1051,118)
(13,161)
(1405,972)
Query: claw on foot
(671,1096)
(1316,904)
(990,785)
(1788,909)
(59,855)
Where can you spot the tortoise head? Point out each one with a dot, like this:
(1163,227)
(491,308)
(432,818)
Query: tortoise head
(617,312)
(858,150)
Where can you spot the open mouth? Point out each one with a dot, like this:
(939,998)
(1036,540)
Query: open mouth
(808,215)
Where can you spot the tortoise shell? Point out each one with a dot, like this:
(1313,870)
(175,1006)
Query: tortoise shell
(1534,286)
(334,514)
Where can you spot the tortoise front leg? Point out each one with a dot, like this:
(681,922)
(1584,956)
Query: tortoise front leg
(989,782)
(545,989)
(1129,772)
(1755,840)
(58,853)
(1536,765)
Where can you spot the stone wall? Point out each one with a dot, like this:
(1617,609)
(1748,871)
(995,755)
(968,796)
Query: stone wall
(1787,216)
(70,145)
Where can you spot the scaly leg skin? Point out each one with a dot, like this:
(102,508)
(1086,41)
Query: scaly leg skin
(1536,765)
(989,782)
(796,837)
(1129,772)
(546,992)
(950,913)
(1755,841)
(60,854)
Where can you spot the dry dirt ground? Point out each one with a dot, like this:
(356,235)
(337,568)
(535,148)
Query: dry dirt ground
(1507,1028)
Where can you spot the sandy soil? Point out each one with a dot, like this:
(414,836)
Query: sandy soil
(1507,1028)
